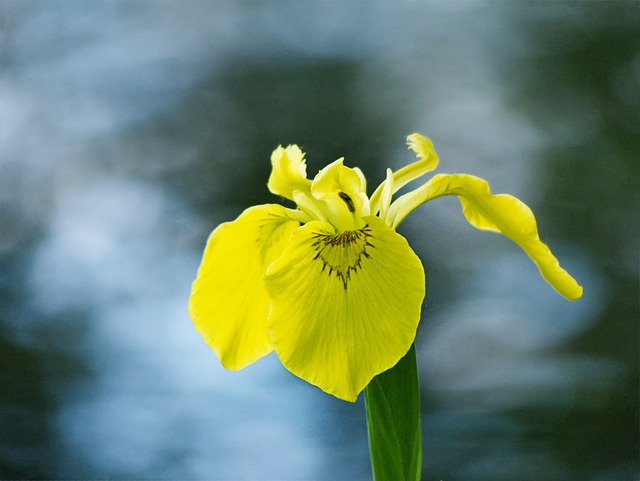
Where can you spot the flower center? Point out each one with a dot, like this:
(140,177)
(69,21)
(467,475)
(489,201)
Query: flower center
(341,254)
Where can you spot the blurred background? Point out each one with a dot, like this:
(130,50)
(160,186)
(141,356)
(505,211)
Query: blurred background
(130,129)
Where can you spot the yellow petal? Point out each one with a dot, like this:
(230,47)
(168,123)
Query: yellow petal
(499,213)
(309,205)
(289,172)
(363,179)
(423,147)
(228,303)
(344,306)
(386,195)
(428,161)
(339,192)
(336,177)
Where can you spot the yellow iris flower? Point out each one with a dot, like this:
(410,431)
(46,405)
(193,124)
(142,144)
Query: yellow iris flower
(331,286)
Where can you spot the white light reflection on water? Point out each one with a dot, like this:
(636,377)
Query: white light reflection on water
(501,350)
(100,246)
(502,346)
(164,397)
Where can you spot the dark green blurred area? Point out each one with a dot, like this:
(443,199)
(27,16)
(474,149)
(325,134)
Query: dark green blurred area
(570,71)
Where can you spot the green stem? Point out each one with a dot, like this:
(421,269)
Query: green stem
(392,401)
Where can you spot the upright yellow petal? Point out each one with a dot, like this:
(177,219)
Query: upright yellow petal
(228,303)
(499,213)
(288,172)
(386,195)
(344,306)
(339,192)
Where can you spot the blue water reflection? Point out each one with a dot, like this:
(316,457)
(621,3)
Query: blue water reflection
(131,129)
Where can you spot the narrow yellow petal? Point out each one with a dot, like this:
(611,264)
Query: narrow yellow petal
(499,213)
(228,303)
(428,161)
(307,204)
(363,179)
(289,172)
(386,195)
(344,306)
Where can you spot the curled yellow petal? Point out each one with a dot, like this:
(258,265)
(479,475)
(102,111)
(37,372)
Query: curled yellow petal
(427,161)
(344,305)
(423,147)
(288,172)
(499,213)
(228,303)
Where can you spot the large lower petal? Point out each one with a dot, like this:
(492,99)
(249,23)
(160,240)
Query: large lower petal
(499,213)
(228,303)
(344,306)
